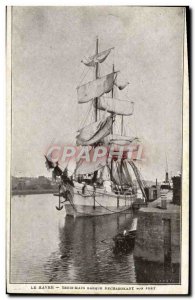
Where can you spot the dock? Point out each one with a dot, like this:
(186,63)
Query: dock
(158,231)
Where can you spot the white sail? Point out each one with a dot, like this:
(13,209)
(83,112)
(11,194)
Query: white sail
(118,175)
(94,132)
(106,174)
(127,173)
(95,88)
(97,58)
(121,137)
(120,140)
(113,105)
(116,178)
(121,174)
(89,168)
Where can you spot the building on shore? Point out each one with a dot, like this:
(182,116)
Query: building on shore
(32,183)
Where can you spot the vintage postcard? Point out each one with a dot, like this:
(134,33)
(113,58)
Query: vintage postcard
(98,150)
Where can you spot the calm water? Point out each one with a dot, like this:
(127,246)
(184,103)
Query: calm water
(48,247)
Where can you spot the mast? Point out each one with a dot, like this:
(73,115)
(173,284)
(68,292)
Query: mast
(96,101)
(112,95)
(96,76)
(122,120)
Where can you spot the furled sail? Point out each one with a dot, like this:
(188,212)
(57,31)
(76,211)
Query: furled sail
(118,137)
(120,140)
(121,175)
(127,173)
(84,167)
(89,168)
(97,58)
(118,175)
(113,105)
(96,88)
(94,132)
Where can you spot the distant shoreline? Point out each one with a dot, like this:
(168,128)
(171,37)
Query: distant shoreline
(32,192)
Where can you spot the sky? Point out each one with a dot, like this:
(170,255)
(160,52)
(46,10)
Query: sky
(48,44)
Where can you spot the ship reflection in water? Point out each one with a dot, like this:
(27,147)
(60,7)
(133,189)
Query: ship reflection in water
(88,255)
(86,251)
(46,247)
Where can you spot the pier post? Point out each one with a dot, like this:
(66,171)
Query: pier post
(163,202)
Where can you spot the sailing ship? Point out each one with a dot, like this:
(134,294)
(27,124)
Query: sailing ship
(105,186)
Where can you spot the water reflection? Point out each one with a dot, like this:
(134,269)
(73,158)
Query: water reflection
(86,252)
(48,247)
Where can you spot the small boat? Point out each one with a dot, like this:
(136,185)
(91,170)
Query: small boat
(125,241)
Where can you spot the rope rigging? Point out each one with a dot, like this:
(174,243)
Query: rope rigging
(93,195)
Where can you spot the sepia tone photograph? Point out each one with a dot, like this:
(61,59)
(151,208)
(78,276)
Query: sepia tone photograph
(97,173)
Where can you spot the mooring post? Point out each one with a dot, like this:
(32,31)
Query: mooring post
(163,202)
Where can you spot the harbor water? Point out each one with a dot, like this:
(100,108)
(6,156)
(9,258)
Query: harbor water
(49,247)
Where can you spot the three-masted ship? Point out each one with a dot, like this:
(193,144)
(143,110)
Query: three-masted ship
(104,186)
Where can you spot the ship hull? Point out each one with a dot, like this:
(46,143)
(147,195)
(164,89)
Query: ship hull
(97,203)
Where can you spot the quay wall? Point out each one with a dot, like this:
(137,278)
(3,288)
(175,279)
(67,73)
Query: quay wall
(158,234)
